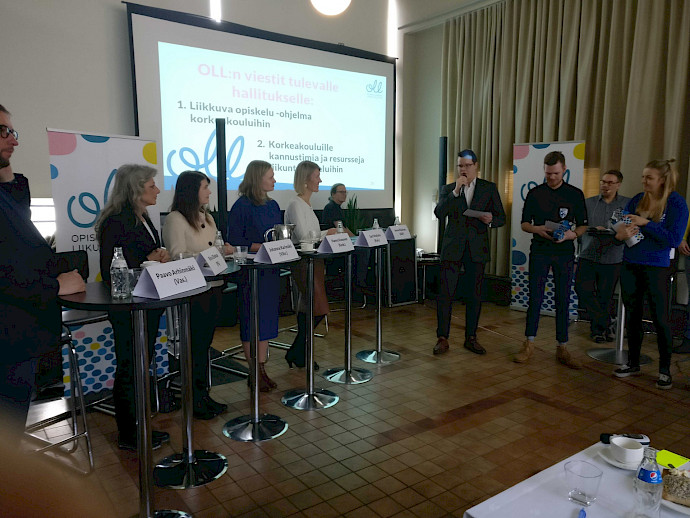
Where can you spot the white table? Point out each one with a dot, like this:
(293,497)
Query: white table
(546,494)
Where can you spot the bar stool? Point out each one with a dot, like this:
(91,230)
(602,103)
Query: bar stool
(76,407)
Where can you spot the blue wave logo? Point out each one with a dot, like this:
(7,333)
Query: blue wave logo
(191,159)
(375,87)
(89,204)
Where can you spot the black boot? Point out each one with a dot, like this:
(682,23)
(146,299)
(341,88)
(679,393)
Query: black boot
(297,353)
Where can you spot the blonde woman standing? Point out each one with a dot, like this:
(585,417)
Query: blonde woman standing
(660,214)
(301,214)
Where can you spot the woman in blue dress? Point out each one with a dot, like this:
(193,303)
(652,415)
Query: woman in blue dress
(250,217)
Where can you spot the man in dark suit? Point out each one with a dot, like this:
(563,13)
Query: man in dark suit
(465,245)
(30,282)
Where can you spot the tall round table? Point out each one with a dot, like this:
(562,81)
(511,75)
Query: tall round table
(255,427)
(97,298)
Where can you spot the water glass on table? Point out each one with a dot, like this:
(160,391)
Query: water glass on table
(240,254)
(583,481)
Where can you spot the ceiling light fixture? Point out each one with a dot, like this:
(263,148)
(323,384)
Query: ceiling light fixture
(216,10)
(330,7)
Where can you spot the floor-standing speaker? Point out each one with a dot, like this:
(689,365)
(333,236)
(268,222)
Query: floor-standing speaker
(401,272)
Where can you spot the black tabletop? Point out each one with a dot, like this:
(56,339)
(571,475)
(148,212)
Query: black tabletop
(97,297)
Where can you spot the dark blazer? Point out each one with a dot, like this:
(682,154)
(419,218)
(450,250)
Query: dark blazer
(124,229)
(461,230)
(31,318)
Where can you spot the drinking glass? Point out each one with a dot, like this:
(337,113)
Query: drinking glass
(583,479)
(240,254)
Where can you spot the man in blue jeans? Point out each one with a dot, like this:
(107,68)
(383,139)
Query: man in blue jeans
(553,201)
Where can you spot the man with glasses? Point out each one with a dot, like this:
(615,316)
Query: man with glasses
(465,247)
(332,212)
(15,184)
(29,285)
(601,256)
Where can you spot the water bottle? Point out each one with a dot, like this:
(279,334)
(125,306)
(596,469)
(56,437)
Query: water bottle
(119,275)
(648,486)
(376,223)
(340,227)
(219,243)
(397,221)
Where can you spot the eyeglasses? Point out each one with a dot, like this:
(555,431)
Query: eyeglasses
(604,182)
(341,192)
(6,132)
(463,166)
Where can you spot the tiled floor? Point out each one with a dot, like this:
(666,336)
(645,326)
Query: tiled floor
(427,436)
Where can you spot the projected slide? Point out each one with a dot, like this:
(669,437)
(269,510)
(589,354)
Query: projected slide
(278,111)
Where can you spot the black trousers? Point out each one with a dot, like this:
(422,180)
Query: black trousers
(594,283)
(539,266)
(16,386)
(451,276)
(640,282)
(124,390)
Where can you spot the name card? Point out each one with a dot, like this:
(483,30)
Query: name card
(211,261)
(163,280)
(335,243)
(371,238)
(273,252)
(398,232)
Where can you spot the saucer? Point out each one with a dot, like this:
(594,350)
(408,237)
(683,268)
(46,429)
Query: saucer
(606,455)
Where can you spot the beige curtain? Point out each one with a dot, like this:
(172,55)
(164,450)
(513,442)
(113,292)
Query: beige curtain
(611,72)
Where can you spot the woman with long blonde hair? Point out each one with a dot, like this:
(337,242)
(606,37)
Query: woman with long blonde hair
(660,214)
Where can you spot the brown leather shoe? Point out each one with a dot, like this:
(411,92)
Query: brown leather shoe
(525,353)
(471,344)
(566,359)
(441,346)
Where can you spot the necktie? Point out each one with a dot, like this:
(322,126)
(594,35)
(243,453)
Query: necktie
(463,200)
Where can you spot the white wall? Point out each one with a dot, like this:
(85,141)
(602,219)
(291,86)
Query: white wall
(421,112)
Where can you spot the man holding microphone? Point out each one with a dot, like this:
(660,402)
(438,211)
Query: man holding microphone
(465,246)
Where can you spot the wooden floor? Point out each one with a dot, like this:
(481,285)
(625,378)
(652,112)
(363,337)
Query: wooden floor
(427,436)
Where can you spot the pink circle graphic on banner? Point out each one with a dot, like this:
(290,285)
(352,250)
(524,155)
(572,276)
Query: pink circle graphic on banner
(61,143)
(520,152)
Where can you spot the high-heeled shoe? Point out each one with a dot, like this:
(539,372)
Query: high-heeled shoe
(264,375)
(292,362)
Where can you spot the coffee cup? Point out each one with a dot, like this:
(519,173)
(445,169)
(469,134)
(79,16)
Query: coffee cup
(626,450)
(146,264)
(306,246)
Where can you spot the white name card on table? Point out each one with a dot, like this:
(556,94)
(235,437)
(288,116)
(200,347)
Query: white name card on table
(211,262)
(273,252)
(398,232)
(163,280)
(371,238)
(335,243)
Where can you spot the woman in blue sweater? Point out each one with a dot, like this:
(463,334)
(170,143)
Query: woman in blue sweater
(661,214)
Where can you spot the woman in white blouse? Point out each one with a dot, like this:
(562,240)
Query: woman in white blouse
(190,229)
(301,214)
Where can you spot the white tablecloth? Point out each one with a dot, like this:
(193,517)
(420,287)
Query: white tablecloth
(546,494)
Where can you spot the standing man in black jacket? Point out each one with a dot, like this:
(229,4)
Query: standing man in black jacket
(29,286)
(465,245)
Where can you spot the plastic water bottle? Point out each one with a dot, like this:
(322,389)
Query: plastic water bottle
(219,243)
(376,223)
(648,487)
(119,275)
(397,221)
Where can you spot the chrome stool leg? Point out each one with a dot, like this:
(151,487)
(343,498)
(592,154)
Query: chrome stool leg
(378,356)
(348,374)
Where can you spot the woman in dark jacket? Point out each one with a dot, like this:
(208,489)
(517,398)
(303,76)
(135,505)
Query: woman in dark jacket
(125,223)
